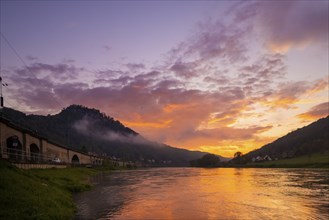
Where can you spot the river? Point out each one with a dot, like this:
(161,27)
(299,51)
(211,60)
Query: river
(197,193)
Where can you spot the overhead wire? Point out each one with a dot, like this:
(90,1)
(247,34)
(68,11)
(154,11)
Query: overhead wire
(31,72)
(25,65)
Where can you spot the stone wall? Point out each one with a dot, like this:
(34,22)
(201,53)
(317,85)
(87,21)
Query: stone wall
(33,145)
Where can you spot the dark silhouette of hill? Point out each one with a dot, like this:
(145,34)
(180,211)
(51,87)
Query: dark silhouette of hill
(313,138)
(89,130)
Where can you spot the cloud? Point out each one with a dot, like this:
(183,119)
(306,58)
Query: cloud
(316,112)
(168,83)
(135,66)
(225,140)
(217,80)
(35,88)
(267,67)
(164,106)
(211,40)
(229,133)
(60,71)
(283,25)
(30,91)
(289,93)
(177,113)
(203,87)
(31,58)
(287,24)
(107,48)
(109,73)
(185,70)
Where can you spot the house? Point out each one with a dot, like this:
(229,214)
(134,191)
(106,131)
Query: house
(260,158)
(267,158)
(257,159)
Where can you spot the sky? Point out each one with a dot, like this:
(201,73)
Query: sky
(215,76)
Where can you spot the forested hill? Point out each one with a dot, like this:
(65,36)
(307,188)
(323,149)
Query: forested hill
(89,130)
(310,139)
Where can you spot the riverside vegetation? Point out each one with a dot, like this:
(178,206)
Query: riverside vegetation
(41,193)
(317,160)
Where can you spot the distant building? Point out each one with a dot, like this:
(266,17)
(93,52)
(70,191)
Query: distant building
(260,158)
(267,158)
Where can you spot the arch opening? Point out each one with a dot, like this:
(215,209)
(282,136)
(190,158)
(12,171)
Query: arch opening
(35,153)
(14,148)
(75,159)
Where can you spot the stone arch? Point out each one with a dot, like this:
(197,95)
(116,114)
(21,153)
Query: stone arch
(34,153)
(75,159)
(14,148)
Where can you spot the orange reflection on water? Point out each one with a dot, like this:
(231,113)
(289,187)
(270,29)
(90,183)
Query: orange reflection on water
(224,193)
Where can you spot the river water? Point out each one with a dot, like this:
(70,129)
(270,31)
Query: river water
(197,193)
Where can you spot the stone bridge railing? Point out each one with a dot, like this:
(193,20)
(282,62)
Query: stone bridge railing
(24,146)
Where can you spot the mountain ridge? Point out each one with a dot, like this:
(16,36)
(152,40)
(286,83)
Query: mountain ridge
(89,130)
(312,138)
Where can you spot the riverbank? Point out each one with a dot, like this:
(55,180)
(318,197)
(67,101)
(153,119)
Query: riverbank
(41,193)
(319,160)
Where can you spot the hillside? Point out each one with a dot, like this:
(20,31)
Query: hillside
(89,130)
(311,139)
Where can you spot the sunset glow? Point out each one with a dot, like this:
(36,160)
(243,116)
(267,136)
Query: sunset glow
(215,76)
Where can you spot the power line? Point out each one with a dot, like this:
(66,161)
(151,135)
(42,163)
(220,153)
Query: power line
(29,70)
(25,65)
(12,105)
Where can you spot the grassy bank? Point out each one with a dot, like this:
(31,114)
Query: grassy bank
(40,194)
(308,161)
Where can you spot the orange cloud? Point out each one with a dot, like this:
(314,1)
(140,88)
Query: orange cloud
(290,93)
(280,48)
(319,85)
(227,148)
(316,112)
(162,124)
(176,107)
(284,47)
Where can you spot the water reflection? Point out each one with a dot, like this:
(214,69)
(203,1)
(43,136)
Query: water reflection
(193,193)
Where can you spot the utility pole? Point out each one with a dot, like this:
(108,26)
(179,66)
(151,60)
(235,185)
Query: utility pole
(2,84)
(1,107)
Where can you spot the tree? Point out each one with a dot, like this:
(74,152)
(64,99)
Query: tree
(238,154)
(208,160)
(238,159)
(84,149)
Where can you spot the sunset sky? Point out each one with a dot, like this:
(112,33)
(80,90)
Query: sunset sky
(215,76)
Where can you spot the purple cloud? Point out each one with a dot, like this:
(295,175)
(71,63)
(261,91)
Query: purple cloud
(135,66)
(31,58)
(61,71)
(107,48)
(185,70)
(293,23)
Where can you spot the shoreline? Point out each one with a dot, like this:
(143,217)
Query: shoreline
(42,193)
(48,193)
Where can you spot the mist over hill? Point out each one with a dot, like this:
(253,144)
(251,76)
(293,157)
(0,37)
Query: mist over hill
(89,130)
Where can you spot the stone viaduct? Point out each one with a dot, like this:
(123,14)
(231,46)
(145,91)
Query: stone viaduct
(24,146)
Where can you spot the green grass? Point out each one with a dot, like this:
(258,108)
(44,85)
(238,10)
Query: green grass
(40,193)
(318,160)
